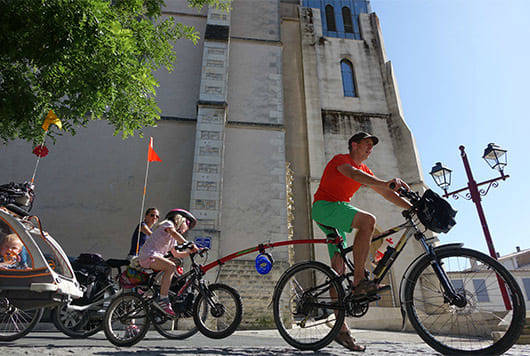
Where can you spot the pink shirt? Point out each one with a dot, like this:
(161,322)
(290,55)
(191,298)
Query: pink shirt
(160,243)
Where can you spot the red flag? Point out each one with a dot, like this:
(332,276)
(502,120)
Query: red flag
(151,154)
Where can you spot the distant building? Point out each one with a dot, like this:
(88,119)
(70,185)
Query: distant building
(518,263)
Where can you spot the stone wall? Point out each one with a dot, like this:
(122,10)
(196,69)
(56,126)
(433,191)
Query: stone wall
(255,289)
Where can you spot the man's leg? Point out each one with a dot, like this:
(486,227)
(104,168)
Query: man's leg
(344,336)
(337,263)
(365,224)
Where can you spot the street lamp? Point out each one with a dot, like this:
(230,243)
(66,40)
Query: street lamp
(496,158)
(441,175)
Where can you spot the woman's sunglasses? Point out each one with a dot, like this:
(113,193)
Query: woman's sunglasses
(154,216)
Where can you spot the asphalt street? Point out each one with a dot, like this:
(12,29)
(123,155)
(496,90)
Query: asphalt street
(255,342)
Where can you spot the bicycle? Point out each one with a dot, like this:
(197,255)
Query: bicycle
(84,316)
(442,293)
(213,309)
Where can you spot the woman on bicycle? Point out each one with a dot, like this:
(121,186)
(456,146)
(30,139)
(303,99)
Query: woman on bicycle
(162,241)
(138,239)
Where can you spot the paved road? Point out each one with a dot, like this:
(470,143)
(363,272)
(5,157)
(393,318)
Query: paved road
(256,343)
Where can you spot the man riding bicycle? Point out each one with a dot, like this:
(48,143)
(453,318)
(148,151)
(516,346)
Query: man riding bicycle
(343,176)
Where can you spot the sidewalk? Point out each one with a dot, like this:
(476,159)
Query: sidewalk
(251,342)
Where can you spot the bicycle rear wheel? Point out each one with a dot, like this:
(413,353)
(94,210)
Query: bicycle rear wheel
(16,323)
(76,324)
(126,320)
(483,326)
(303,307)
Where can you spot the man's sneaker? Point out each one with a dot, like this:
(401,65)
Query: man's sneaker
(131,331)
(165,306)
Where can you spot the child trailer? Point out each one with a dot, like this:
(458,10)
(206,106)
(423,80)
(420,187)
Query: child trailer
(40,275)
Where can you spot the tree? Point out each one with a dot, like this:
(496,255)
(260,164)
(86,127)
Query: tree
(86,60)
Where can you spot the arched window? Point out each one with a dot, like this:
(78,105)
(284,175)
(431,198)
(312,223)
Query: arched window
(346,19)
(348,83)
(330,18)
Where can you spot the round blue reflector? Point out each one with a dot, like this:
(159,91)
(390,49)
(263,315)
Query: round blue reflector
(263,264)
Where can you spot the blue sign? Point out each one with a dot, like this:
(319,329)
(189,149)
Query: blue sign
(203,241)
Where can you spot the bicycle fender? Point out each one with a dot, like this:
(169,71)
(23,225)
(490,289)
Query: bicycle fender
(406,275)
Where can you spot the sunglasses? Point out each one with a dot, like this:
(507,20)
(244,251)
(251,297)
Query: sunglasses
(154,216)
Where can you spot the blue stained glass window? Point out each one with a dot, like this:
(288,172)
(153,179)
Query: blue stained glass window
(346,19)
(336,23)
(481,290)
(348,83)
(330,18)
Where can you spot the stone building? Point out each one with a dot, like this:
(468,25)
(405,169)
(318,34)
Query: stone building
(272,90)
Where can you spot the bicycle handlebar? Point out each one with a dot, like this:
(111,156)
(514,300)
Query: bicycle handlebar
(413,197)
(188,245)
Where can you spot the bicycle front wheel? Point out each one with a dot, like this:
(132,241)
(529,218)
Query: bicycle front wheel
(305,313)
(483,324)
(126,320)
(181,327)
(218,313)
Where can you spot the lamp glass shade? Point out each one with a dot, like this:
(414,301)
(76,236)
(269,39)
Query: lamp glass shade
(496,157)
(441,175)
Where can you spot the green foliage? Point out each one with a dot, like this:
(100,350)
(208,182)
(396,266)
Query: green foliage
(86,60)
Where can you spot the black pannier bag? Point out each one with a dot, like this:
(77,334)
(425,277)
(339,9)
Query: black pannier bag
(435,213)
(93,273)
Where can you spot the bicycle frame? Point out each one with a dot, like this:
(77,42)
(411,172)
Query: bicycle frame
(391,254)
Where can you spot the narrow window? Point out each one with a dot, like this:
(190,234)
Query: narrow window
(458,284)
(481,290)
(346,19)
(330,18)
(348,83)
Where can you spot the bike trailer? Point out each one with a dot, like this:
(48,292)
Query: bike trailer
(42,275)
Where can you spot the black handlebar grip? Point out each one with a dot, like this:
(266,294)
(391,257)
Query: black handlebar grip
(392,185)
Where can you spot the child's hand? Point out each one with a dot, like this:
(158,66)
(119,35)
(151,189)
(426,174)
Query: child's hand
(194,248)
(10,257)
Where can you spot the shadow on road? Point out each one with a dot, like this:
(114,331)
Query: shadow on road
(255,351)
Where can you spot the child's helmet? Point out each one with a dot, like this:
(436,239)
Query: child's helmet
(192,220)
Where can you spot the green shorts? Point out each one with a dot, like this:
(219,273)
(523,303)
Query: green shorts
(337,214)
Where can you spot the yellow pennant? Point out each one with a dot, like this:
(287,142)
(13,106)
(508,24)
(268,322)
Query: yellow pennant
(51,118)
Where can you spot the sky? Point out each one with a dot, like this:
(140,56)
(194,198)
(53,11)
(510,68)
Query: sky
(463,73)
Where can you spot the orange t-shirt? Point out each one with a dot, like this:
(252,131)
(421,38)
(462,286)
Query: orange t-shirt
(335,186)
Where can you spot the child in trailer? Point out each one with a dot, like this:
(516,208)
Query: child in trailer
(10,252)
(162,241)
(150,218)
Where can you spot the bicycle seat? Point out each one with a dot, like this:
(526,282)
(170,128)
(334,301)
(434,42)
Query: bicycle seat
(333,234)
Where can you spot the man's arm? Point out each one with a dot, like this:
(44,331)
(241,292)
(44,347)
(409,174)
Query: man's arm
(380,186)
(392,197)
(359,176)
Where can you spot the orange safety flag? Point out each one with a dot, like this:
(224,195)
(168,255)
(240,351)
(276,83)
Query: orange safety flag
(51,118)
(151,154)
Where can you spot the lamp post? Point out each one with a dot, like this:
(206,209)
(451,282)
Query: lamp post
(497,159)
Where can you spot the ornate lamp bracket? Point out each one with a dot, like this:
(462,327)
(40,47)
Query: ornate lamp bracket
(484,192)
(457,196)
